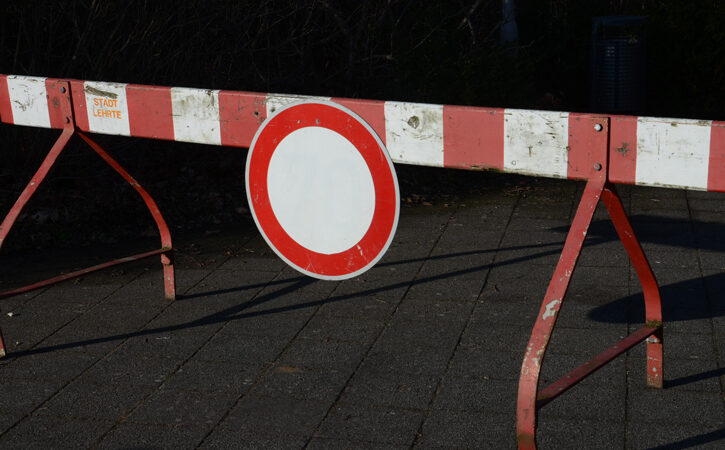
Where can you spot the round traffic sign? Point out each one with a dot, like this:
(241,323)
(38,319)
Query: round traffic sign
(322,189)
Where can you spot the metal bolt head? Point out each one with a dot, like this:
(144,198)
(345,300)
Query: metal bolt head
(597,167)
(62,89)
(598,127)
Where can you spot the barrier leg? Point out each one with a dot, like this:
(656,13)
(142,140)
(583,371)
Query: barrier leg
(652,302)
(530,400)
(167,247)
(526,407)
(28,192)
(32,186)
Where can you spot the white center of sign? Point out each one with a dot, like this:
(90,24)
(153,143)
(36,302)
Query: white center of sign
(321,190)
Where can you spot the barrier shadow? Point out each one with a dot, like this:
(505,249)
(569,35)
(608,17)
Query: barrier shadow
(681,233)
(290,285)
(694,441)
(682,301)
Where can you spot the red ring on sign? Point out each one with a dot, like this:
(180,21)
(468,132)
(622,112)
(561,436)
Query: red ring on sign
(376,239)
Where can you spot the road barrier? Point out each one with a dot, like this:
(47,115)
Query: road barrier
(599,149)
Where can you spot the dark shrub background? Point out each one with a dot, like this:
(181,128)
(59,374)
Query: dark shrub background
(409,50)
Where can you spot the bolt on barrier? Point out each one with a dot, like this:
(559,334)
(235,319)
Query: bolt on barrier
(599,149)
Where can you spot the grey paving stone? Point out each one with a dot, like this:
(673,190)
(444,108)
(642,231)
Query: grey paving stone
(253,350)
(23,396)
(324,443)
(172,407)
(498,312)
(272,417)
(283,325)
(411,333)
(128,369)
(614,373)
(171,344)
(379,288)
(459,239)
(40,432)
(137,436)
(240,284)
(468,265)
(375,424)
(538,248)
(463,429)
(94,401)
(25,330)
(77,294)
(579,433)
(428,309)
(586,343)
(413,360)
(224,438)
(366,307)
(446,288)
(476,362)
(642,435)
(253,263)
(354,329)
(590,401)
(292,381)
(82,337)
(321,354)
(392,389)
(7,420)
(603,251)
(676,407)
(496,337)
(682,374)
(476,394)
(54,366)
(231,377)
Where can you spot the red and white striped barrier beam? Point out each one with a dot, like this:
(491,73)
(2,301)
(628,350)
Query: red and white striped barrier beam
(600,149)
(678,153)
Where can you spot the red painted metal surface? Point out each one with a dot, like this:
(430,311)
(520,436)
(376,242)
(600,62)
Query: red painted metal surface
(60,96)
(79,273)
(596,143)
(529,401)
(61,111)
(652,301)
(166,257)
(557,388)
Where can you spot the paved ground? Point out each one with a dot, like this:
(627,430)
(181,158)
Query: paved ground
(424,350)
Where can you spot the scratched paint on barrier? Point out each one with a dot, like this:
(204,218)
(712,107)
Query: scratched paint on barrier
(277,101)
(673,152)
(536,142)
(414,133)
(196,115)
(29,101)
(550,309)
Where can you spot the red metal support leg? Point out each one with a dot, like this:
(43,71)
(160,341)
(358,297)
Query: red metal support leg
(546,319)
(529,399)
(167,247)
(60,96)
(32,186)
(652,302)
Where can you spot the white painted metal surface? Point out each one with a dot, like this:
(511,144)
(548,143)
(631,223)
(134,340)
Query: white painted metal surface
(29,101)
(107,108)
(673,152)
(321,190)
(196,115)
(414,133)
(536,142)
(275,102)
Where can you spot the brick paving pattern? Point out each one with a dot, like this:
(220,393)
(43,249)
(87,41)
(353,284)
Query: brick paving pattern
(424,350)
